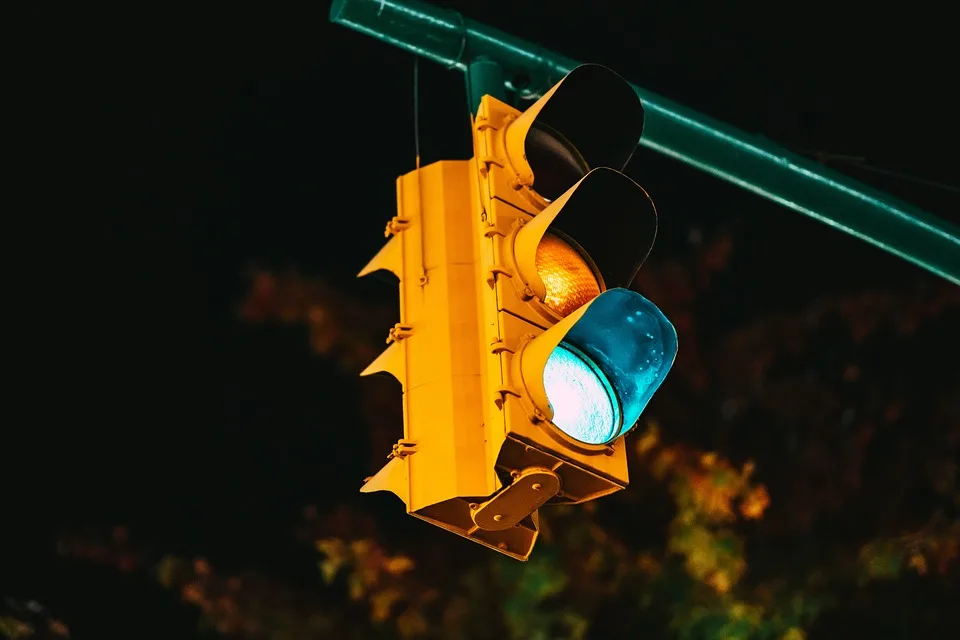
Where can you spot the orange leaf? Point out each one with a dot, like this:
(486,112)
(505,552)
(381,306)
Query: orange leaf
(397,565)
(648,440)
(755,503)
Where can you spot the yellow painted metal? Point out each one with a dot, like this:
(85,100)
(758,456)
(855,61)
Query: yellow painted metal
(479,454)
(515,137)
(529,490)
(515,220)
(437,360)
(439,468)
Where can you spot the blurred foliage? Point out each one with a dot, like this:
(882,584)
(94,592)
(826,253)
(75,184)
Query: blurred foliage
(30,620)
(793,462)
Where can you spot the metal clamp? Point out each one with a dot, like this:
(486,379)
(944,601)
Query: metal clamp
(396,225)
(399,332)
(531,488)
(402,449)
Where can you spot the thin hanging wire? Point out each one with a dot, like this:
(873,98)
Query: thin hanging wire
(416,150)
(416,106)
(470,105)
(466,71)
(826,157)
(470,108)
(416,110)
(473,133)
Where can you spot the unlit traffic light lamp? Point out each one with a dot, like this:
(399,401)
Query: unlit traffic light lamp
(524,356)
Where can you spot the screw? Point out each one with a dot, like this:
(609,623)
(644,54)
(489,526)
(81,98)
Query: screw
(537,487)
(474,506)
(497,518)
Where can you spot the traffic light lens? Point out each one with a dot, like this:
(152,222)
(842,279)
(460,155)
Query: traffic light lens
(567,278)
(582,399)
(631,345)
(555,162)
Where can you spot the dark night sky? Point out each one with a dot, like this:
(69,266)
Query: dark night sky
(179,147)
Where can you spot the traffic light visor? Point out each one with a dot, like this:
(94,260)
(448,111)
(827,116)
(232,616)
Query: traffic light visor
(593,374)
(591,118)
(594,237)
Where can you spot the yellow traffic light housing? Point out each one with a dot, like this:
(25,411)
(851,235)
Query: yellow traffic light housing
(439,465)
(523,357)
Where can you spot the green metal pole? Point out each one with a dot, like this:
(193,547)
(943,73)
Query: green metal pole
(750,162)
(484,77)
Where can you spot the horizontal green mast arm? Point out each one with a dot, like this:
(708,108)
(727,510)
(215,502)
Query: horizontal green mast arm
(750,162)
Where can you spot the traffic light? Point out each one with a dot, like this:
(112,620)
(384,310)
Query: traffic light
(524,356)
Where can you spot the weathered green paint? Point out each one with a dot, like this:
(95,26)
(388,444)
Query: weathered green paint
(747,161)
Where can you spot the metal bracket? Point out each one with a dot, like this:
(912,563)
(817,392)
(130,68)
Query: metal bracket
(482,124)
(494,272)
(399,332)
(396,225)
(498,346)
(493,230)
(486,162)
(402,449)
(530,489)
(501,396)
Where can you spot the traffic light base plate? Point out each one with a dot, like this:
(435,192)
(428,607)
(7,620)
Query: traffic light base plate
(530,489)
(455,516)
